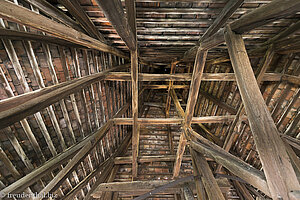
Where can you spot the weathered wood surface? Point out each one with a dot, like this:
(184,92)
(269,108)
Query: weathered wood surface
(55,13)
(21,15)
(124,76)
(79,14)
(230,7)
(208,119)
(210,183)
(17,108)
(135,127)
(271,148)
(265,14)
(114,12)
(232,163)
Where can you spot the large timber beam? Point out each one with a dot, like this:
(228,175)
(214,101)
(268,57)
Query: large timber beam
(210,184)
(17,108)
(226,12)
(79,14)
(265,14)
(114,12)
(195,120)
(235,165)
(280,175)
(55,13)
(192,99)
(22,35)
(125,76)
(22,15)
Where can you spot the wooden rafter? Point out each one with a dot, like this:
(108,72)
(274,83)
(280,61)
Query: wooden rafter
(21,15)
(268,142)
(115,14)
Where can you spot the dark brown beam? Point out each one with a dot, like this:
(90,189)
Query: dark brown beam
(218,102)
(55,13)
(38,173)
(21,35)
(17,108)
(114,12)
(22,15)
(233,164)
(192,99)
(230,7)
(271,148)
(124,76)
(265,14)
(210,184)
(80,15)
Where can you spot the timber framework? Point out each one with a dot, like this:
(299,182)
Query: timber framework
(150,99)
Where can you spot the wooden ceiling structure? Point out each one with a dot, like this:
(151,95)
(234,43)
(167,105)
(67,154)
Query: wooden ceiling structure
(150,99)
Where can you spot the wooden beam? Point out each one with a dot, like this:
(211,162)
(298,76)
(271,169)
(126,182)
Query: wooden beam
(187,192)
(55,13)
(135,128)
(265,14)
(17,108)
(210,184)
(271,148)
(230,7)
(146,159)
(193,95)
(21,15)
(113,11)
(22,35)
(125,76)
(233,164)
(195,120)
(80,15)
(146,186)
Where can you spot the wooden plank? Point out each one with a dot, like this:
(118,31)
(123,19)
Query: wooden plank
(232,163)
(193,95)
(16,108)
(113,11)
(55,13)
(268,142)
(24,123)
(21,15)
(195,120)
(230,7)
(210,184)
(135,128)
(80,15)
(187,192)
(21,35)
(265,14)
(124,76)
(146,159)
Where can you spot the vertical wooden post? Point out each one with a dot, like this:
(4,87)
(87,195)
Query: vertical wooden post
(281,177)
(135,127)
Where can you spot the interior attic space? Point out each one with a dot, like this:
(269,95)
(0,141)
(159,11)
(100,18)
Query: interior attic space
(150,99)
